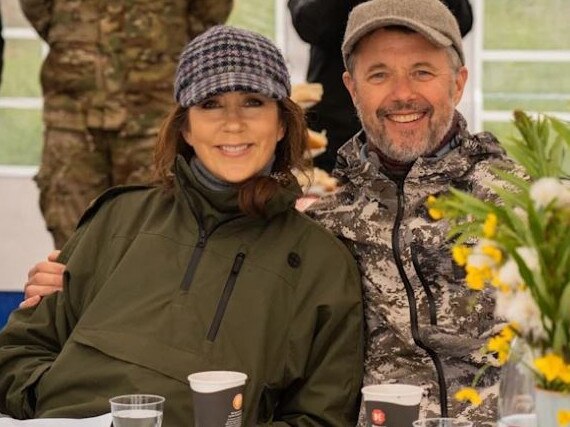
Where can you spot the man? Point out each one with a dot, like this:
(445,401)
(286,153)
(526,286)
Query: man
(107,85)
(322,23)
(405,74)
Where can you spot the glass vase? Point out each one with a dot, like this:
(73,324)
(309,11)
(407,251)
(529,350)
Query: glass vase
(516,402)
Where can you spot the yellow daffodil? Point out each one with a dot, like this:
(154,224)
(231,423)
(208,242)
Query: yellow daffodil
(501,344)
(434,213)
(490,226)
(509,332)
(551,366)
(477,276)
(564,418)
(460,254)
(468,394)
(493,252)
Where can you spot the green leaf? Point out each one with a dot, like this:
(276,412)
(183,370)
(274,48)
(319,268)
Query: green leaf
(560,336)
(564,306)
(510,178)
(562,128)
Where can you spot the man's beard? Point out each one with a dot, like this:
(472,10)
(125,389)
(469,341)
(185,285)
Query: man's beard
(416,145)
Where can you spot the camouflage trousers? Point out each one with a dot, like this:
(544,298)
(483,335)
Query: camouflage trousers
(78,166)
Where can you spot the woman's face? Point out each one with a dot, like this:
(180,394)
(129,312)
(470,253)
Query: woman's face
(234,134)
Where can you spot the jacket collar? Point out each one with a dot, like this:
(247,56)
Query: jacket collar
(211,207)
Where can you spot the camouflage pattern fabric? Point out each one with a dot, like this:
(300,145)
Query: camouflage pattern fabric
(111,63)
(362,214)
(110,67)
(93,162)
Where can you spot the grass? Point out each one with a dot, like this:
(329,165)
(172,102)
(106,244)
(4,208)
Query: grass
(509,24)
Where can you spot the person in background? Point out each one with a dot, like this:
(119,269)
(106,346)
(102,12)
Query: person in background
(213,268)
(1,48)
(406,74)
(321,23)
(107,85)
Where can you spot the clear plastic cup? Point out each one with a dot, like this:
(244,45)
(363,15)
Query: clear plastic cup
(442,422)
(137,410)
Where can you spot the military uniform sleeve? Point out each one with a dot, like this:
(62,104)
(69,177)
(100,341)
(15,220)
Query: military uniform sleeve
(39,13)
(326,342)
(203,14)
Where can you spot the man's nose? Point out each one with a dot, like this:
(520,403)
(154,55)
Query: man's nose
(402,88)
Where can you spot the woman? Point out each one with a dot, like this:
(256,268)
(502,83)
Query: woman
(212,269)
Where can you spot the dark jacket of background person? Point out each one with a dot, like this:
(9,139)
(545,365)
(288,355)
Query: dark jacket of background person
(1,48)
(145,304)
(321,23)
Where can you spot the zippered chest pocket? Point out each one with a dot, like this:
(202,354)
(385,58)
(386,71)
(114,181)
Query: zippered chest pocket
(225,297)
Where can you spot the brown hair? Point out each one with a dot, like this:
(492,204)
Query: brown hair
(256,191)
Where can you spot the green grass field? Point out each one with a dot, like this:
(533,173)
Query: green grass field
(509,24)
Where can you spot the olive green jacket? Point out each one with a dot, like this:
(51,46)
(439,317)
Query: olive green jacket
(153,294)
(111,63)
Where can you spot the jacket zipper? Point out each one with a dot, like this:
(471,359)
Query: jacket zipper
(425,285)
(412,302)
(194,259)
(225,298)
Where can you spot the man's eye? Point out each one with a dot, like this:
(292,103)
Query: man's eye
(378,76)
(422,75)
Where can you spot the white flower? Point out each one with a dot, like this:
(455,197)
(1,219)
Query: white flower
(481,256)
(522,310)
(546,190)
(502,304)
(480,261)
(509,274)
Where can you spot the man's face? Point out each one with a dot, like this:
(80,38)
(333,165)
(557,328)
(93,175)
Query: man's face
(405,91)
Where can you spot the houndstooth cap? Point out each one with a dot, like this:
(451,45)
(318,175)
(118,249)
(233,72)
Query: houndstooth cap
(227,59)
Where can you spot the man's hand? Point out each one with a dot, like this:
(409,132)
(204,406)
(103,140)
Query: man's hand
(44,278)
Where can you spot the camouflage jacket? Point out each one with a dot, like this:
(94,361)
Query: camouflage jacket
(451,320)
(111,63)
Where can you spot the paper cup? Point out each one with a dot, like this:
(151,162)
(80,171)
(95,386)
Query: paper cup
(218,398)
(390,405)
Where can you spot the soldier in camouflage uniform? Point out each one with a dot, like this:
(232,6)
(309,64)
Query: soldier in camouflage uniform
(107,85)
(424,326)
